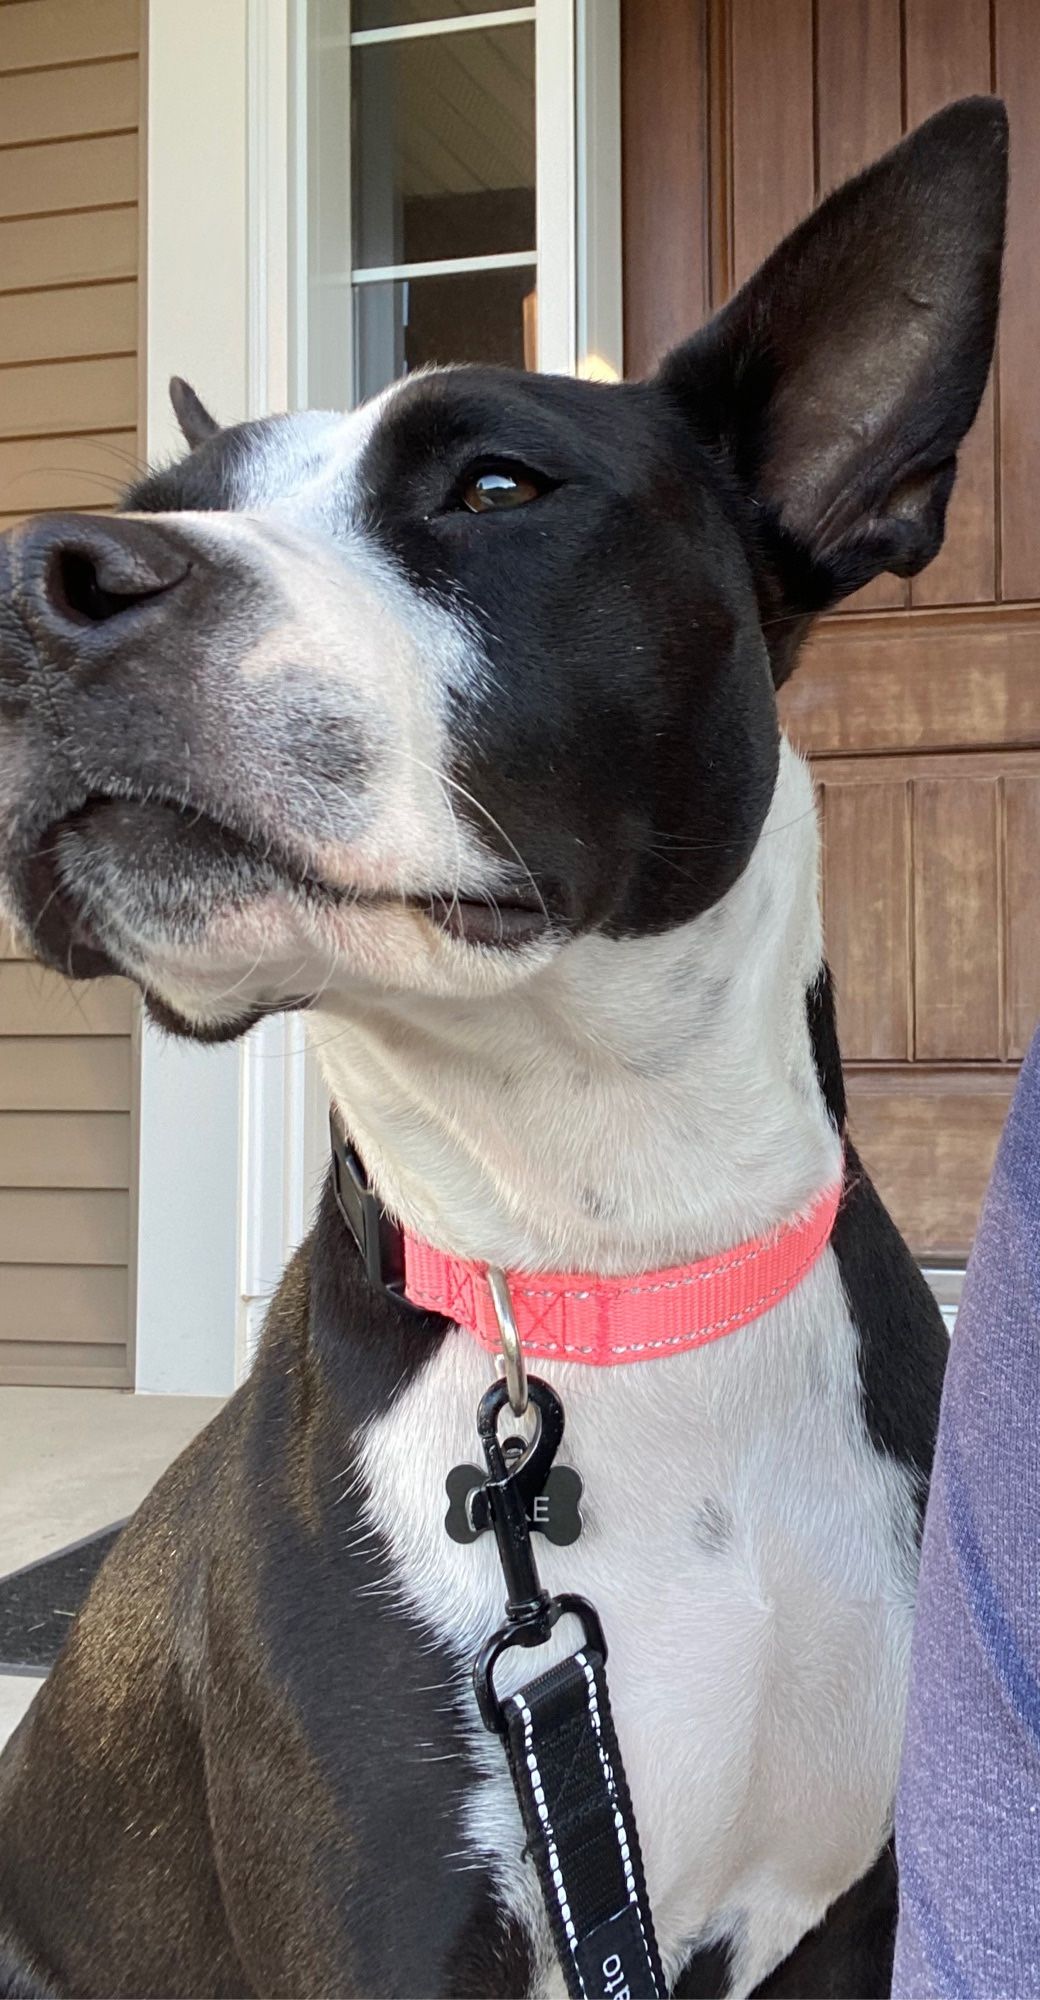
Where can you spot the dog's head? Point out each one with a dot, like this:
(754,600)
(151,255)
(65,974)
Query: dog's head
(409,698)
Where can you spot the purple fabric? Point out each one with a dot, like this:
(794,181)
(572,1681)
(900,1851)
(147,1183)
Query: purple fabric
(968,1818)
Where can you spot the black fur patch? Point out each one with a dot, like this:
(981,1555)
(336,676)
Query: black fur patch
(849,1955)
(903,1343)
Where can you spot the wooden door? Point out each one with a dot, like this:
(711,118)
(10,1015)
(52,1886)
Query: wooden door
(919,704)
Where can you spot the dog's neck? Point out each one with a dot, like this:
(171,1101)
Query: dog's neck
(636,1104)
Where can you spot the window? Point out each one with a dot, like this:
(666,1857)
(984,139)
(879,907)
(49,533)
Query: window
(441,218)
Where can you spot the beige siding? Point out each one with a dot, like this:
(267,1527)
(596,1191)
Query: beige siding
(67,249)
(70,1074)
(69,174)
(89,320)
(85,471)
(69,183)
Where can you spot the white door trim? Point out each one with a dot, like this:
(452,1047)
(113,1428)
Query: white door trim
(196,324)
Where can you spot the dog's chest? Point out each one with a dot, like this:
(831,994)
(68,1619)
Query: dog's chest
(752,1558)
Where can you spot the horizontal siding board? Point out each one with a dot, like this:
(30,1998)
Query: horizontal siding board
(36,1002)
(64,1226)
(68,102)
(69,250)
(70,30)
(25,1364)
(15,521)
(68,174)
(69,322)
(78,1073)
(77,1304)
(74,323)
(55,396)
(65,471)
(64,1149)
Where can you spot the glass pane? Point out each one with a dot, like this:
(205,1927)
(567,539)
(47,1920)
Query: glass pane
(443,146)
(475,316)
(396,13)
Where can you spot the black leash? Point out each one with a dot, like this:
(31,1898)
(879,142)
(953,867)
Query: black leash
(570,1781)
(558,1730)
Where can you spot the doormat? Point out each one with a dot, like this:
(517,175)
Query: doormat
(39,1603)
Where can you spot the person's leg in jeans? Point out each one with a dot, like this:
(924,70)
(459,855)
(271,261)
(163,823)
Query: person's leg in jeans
(968,1819)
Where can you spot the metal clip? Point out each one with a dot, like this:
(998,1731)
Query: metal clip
(531,1613)
(509,1340)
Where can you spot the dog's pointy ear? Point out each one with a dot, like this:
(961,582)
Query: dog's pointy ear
(840,380)
(192,415)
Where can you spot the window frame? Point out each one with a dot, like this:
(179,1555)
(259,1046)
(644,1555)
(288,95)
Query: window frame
(577,252)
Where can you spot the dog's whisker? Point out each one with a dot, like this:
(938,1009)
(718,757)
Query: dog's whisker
(453,784)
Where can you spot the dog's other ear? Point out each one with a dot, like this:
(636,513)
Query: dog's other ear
(193,417)
(840,380)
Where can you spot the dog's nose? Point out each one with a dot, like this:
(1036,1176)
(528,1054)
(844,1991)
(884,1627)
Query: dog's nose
(74,572)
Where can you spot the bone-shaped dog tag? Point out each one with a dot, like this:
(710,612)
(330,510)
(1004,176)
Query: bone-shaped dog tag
(555,1512)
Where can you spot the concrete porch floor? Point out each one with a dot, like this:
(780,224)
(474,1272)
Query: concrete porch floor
(73,1461)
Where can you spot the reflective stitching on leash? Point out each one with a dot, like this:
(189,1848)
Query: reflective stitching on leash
(619,1818)
(550,1837)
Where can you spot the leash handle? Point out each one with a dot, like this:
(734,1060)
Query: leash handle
(581,1832)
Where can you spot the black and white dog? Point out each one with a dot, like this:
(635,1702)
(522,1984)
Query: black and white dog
(454,720)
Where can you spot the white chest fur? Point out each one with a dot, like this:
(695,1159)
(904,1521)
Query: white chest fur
(636,1104)
(752,1559)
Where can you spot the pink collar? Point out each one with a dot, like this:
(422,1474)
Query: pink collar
(605,1321)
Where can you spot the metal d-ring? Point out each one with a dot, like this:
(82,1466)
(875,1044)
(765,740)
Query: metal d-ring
(509,1339)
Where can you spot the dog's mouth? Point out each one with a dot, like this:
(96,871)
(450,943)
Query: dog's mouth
(185,863)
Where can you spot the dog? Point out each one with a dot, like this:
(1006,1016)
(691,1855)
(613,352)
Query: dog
(453,720)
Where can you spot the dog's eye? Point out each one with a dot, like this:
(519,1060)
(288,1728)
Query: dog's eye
(499,486)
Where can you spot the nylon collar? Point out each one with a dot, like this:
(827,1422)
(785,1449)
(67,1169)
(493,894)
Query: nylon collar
(570,1317)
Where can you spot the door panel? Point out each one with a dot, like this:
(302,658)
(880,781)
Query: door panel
(664,57)
(918,681)
(771,128)
(1017,50)
(859,114)
(947,55)
(930,905)
(920,707)
(956,920)
(928,1139)
(867,902)
(1022,941)
(858,86)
